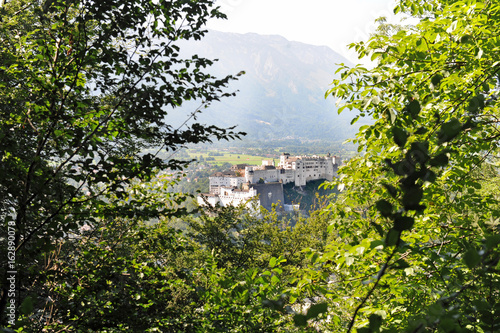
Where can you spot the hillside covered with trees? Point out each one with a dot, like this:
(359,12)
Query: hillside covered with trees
(88,238)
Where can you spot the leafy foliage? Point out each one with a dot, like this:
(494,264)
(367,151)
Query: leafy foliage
(86,87)
(133,278)
(416,245)
(413,243)
(240,239)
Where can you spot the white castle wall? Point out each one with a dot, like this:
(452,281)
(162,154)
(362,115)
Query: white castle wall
(287,176)
(235,197)
(226,191)
(217,182)
(254,174)
(309,168)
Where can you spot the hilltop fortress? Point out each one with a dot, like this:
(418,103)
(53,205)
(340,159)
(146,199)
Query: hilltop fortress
(244,182)
(298,170)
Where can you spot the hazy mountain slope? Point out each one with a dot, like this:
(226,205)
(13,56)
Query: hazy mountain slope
(282,93)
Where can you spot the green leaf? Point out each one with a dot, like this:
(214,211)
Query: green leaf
(473,105)
(472,258)
(377,227)
(27,306)
(492,241)
(421,130)
(401,264)
(272,262)
(476,185)
(448,324)
(400,136)
(436,79)
(412,197)
(420,151)
(375,322)
(376,243)
(316,309)
(440,160)
(414,108)
(466,39)
(476,103)
(300,320)
(391,189)
(402,223)
(430,176)
(392,237)
(449,130)
(384,207)
(391,115)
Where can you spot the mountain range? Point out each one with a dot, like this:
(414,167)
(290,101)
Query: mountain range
(282,93)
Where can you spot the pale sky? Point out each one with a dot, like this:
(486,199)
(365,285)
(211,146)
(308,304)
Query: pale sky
(334,23)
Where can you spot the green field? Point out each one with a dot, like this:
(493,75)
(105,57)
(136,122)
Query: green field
(232,158)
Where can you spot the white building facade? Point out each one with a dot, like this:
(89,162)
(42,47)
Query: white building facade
(226,188)
(218,181)
(298,169)
(228,196)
